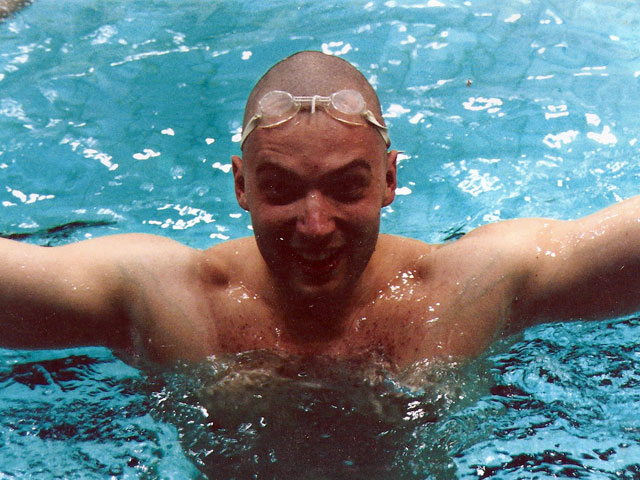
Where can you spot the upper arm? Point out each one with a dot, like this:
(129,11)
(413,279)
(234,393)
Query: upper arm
(75,294)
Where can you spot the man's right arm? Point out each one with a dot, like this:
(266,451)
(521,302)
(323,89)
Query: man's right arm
(71,295)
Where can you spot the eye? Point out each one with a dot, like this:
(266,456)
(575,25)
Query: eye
(348,189)
(278,191)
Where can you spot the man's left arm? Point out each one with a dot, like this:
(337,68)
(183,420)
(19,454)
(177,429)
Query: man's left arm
(581,269)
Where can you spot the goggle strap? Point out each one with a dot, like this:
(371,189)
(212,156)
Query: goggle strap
(250,127)
(368,115)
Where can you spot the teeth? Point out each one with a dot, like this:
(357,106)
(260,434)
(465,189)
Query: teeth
(315,257)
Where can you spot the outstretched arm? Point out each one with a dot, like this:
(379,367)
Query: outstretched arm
(78,294)
(60,296)
(582,269)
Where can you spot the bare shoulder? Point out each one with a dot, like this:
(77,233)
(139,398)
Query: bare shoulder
(504,252)
(86,289)
(149,252)
(141,257)
(403,252)
(127,248)
(239,258)
(233,249)
(519,228)
(497,264)
(509,241)
(397,255)
(398,247)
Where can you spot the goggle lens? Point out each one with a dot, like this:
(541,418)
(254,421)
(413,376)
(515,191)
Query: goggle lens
(276,107)
(349,102)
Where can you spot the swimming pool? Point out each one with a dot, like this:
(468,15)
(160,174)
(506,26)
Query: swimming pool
(122,117)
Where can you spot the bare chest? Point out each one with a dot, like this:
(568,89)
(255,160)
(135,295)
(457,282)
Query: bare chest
(406,320)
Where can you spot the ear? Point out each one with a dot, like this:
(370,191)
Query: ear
(238,180)
(390,178)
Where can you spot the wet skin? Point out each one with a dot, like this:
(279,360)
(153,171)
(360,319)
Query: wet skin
(315,188)
(317,279)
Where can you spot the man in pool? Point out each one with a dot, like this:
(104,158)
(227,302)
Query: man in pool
(318,278)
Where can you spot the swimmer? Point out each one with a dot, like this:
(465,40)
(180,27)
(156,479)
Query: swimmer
(317,278)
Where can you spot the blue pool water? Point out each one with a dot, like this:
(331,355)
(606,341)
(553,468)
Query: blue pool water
(122,116)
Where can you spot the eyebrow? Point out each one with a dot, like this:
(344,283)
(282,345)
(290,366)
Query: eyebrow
(353,165)
(359,163)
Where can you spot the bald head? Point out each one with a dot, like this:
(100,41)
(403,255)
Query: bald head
(312,73)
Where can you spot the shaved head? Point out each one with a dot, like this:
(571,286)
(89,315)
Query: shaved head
(312,73)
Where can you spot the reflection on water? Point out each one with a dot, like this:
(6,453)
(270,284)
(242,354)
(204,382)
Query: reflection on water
(564,405)
(274,417)
(559,402)
(80,414)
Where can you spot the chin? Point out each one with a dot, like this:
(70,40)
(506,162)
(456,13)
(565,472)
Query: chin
(325,287)
(327,294)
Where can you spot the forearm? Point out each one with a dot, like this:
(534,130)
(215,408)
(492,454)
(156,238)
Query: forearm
(588,268)
(24,328)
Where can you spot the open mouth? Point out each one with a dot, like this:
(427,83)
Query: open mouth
(318,263)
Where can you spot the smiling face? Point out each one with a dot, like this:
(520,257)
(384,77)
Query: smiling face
(315,188)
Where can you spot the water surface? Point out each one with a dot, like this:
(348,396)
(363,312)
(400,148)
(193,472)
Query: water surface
(122,117)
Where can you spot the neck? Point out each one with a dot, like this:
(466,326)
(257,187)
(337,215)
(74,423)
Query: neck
(313,320)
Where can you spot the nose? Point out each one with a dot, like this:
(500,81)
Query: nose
(316,219)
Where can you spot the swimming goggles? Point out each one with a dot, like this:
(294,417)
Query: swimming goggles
(346,106)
